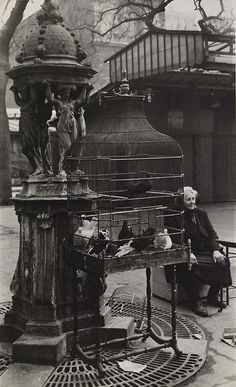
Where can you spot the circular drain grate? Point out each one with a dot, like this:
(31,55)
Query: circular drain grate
(5,307)
(161,319)
(163,368)
(5,361)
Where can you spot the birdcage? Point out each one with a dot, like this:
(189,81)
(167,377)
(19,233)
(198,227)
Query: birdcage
(127,221)
(131,214)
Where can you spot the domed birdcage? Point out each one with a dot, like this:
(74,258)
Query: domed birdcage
(120,130)
(135,178)
(135,175)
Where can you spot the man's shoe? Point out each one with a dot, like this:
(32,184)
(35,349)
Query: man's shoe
(199,309)
(214,301)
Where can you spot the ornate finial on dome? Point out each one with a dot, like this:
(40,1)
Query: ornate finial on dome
(50,12)
(124,85)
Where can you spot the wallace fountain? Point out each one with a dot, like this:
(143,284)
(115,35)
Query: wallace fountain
(52,74)
(100,210)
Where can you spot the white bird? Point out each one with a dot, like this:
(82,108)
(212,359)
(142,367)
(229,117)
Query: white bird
(162,240)
(124,249)
(88,229)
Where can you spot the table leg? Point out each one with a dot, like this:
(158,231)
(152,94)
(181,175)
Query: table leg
(98,348)
(149,295)
(75,312)
(77,350)
(98,358)
(150,332)
(173,312)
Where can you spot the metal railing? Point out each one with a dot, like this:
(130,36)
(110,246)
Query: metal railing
(158,52)
(219,44)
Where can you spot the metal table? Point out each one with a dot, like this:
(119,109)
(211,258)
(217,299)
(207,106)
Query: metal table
(101,266)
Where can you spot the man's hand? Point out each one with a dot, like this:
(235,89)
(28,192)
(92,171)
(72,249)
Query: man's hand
(193,259)
(218,257)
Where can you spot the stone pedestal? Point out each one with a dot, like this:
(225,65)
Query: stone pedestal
(41,318)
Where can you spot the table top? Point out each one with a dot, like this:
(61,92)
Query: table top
(112,264)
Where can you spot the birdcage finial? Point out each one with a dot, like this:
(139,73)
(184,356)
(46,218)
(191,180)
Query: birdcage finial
(124,85)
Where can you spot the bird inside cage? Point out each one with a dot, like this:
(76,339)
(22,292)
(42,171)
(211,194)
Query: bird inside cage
(162,240)
(139,188)
(125,234)
(99,244)
(138,243)
(144,240)
(124,249)
(87,230)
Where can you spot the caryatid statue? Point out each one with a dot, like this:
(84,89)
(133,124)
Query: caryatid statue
(33,128)
(70,123)
(52,73)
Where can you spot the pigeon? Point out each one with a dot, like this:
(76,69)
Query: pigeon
(99,244)
(139,188)
(162,240)
(125,234)
(86,231)
(144,240)
(111,249)
(125,249)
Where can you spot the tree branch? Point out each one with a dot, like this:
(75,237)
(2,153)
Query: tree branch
(214,23)
(14,19)
(125,12)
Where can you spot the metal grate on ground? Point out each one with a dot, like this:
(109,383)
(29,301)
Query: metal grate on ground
(5,359)
(163,368)
(161,319)
(5,307)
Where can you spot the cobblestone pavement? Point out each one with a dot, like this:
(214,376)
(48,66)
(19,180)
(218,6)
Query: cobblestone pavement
(219,369)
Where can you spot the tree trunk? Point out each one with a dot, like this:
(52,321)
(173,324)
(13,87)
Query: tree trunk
(5,145)
(6,34)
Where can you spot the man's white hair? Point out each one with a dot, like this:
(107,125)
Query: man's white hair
(190,190)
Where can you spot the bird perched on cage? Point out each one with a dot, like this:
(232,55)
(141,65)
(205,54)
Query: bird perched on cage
(143,241)
(125,234)
(162,240)
(100,243)
(139,187)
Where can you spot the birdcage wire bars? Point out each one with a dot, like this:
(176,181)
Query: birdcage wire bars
(133,198)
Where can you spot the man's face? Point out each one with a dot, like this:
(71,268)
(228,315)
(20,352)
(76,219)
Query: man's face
(189,200)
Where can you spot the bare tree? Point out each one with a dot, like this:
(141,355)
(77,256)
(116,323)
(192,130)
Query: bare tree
(6,33)
(220,23)
(118,17)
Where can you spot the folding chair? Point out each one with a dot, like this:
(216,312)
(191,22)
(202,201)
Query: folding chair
(230,252)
